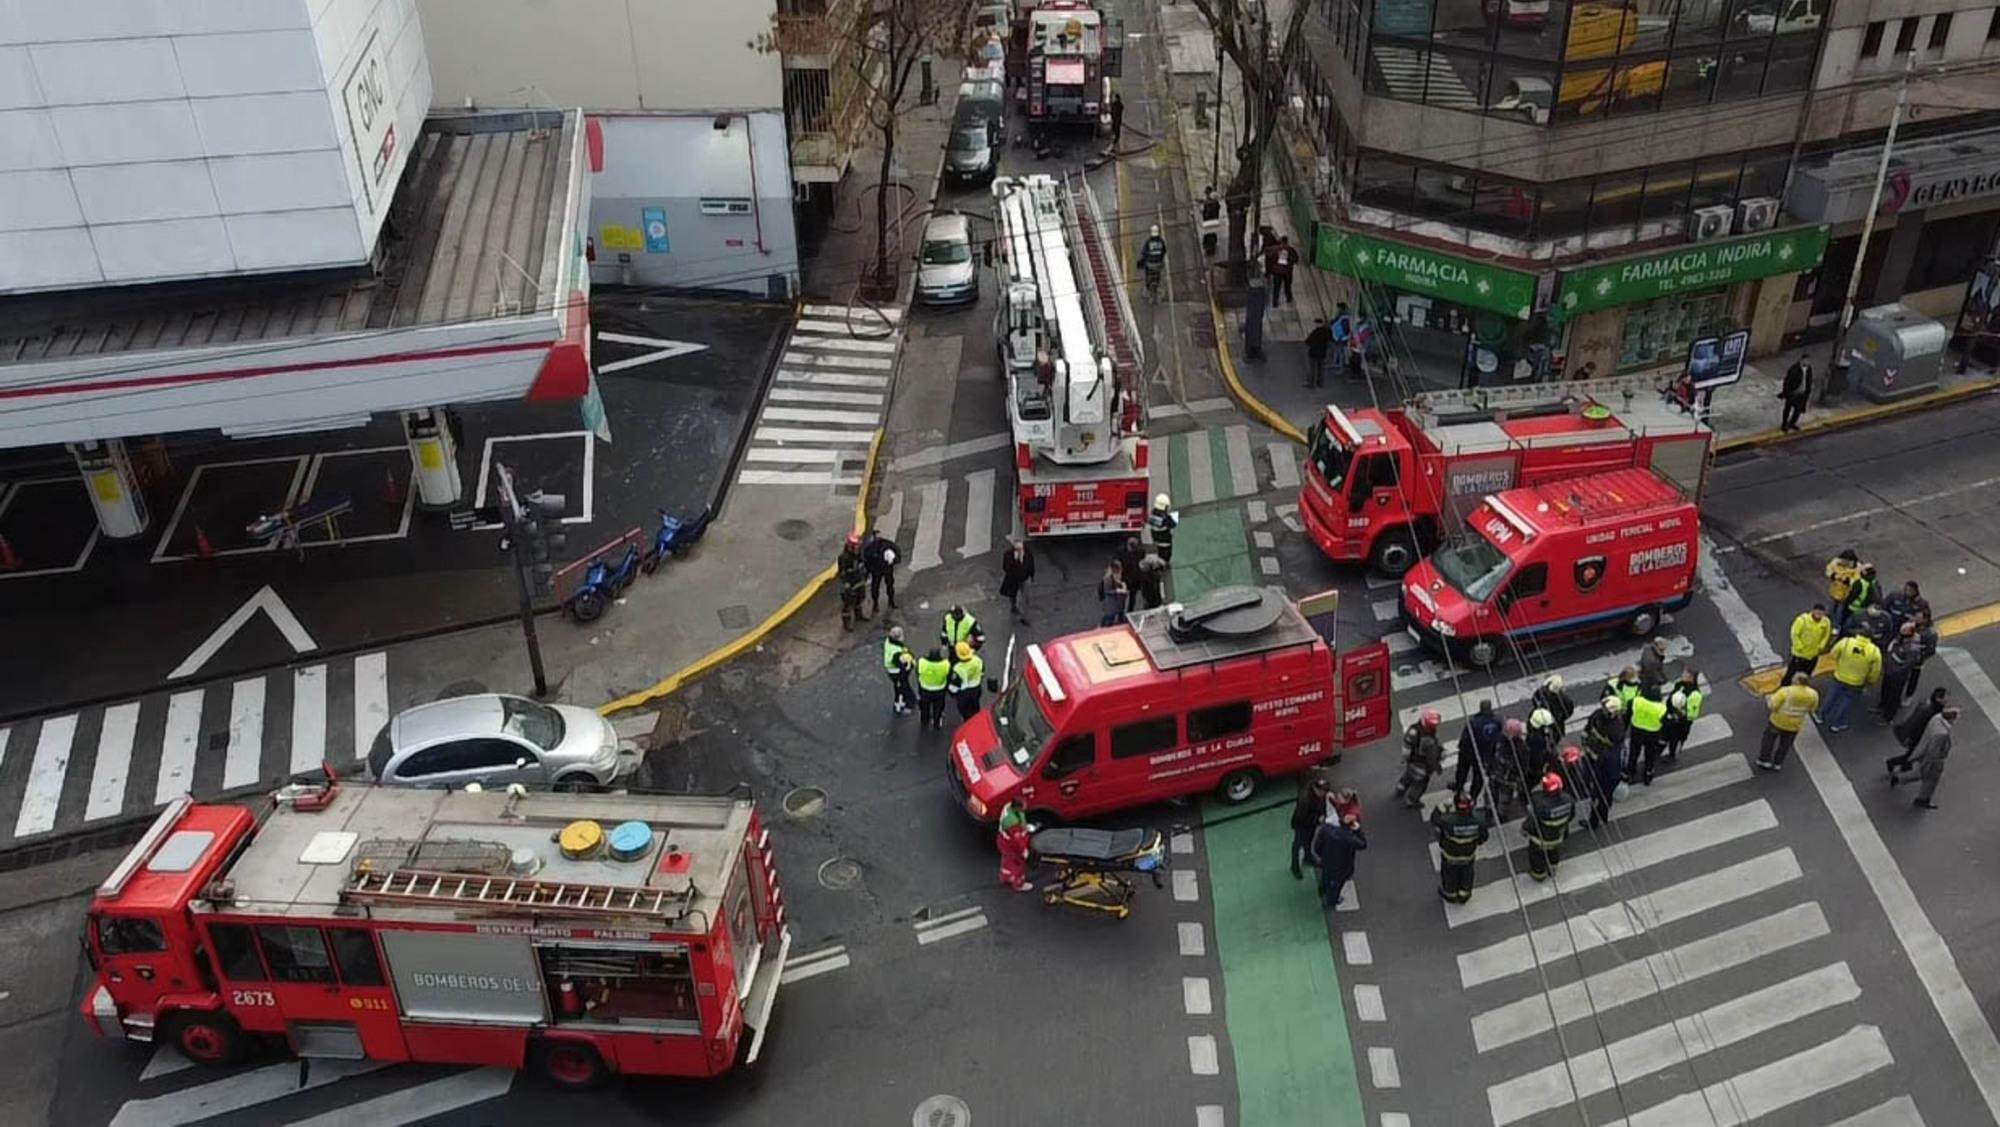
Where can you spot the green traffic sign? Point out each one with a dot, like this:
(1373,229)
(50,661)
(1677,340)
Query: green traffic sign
(1698,266)
(1423,271)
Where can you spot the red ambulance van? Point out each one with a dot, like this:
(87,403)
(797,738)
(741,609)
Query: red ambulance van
(1606,552)
(1220,694)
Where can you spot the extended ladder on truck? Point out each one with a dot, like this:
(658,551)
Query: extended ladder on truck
(431,889)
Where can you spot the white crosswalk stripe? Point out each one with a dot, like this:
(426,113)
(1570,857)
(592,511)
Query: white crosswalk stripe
(140,754)
(1583,678)
(826,400)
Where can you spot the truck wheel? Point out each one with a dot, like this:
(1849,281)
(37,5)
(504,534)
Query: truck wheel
(1482,652)
(1238,786)
(211,1039)
(570,1065)
(1395,553)
(1643,621)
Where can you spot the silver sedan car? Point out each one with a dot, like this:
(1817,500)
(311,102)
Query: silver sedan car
(493,739)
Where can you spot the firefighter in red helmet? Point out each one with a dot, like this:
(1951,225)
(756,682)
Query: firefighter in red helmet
(1461,830)
(1550,811)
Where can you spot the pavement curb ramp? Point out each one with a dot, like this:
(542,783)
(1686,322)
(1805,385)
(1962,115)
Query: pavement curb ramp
(679,678)
(1764,682)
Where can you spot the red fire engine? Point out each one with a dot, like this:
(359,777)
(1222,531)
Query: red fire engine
(1072,55)
(1072,369)
(580,935)
(1389,486)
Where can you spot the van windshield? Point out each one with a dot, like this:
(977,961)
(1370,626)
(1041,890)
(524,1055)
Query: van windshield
(1473,565)
(943,252)
(1328,456)
(1023,729)
(969,139)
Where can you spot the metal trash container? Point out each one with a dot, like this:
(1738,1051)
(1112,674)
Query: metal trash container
(1895,353)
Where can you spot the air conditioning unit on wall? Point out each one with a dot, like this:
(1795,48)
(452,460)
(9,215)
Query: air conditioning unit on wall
(1711,223)
(1757,213)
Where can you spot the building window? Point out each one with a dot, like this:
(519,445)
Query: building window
(1664,209)
(1791,64)
(1504,208)
(1871,40)
(1564,211)
(1949,250)
(1218,721)
(1940,30)
(1383,181)
(1906,37)
(1741,74)
(1614,207)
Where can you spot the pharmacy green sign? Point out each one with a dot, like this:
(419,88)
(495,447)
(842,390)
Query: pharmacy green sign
(1421,271)
(1699,266)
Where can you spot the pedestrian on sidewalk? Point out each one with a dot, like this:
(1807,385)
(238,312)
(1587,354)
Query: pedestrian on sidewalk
(1117,111)
(1128,559)
(1013,840)
(1307,813)
(1111,595)
(1017,570)
(1317,342)
(1812,635)
(898,664)
(1461,830)
(1278,263)
(1932,750)
(1333,848)
(852,572)
(1341,330)
(1796,389)
(933,687)
(880,554)
(968,677)
(1423,757)
(1910,730)
(1211,220)
(1899,660)
(1857,664)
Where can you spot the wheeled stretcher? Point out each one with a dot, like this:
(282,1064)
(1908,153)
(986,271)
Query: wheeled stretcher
(1089,866)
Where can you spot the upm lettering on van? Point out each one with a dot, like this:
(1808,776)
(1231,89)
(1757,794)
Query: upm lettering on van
(1218,695)
(1606,552)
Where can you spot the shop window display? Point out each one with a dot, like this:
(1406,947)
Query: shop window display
(1661,332)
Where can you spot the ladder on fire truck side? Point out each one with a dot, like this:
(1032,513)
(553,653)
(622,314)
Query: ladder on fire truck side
(427,888)
(1107,304)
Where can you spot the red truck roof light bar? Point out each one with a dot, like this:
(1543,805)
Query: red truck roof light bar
(1521,526)
(1050,685)
(1344,425)
(156,833)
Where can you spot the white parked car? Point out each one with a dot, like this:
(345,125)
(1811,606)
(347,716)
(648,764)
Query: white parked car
(494,739)
(946,272)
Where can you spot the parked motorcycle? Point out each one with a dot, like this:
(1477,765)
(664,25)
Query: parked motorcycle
(602,582)
(675,537)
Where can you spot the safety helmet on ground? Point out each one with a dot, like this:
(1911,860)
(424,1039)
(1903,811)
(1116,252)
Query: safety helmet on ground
(1430,718)
(1542,718)
(964,651)
(1613,705)
(1514,727)
(1163,502)
(1572,755)
(1554,684)
(1552,783)
(895,633)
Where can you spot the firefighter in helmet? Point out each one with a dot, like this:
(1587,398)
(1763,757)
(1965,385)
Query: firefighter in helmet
(1461,830)
(1549,814)
(1161,525)
(1423,757)
(853,572)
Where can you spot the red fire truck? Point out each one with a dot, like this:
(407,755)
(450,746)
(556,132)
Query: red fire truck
(1072,55)
(578,935)
(1388,486)
(1071,366)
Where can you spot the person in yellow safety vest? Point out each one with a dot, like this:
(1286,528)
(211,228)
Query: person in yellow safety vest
(1857,664)
(1841,571)
(1789,707)
(897,662)
(933,681)
(1862,594)
(1812,634)
(960,627)
(1683,709)
(968,674)
(1550,811)
(1625,686)
(1649,719)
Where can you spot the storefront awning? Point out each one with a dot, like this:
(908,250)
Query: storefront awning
(1696,266)
(1420,270)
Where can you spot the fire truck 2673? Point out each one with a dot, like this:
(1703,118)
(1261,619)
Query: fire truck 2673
(1070,361)
(578,935)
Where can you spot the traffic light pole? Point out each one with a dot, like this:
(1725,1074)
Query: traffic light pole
(520,539)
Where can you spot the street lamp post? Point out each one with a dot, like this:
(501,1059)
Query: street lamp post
(1836,371)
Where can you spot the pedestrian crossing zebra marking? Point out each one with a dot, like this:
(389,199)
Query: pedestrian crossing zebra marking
(804,395)
(244,756)
(1584,677)
(858,318)
(1201,468)
(978,538)
(1284,465)
(1751,1095)
(820,415)
(1899,1112)
(875,345)
(792,456)
(827,397)
(113,765)
(237,1092)
(45,775)
(831,379)
(806,434)
(308,718)
(859,363)
(1242,469)
(179,746)
(927,548)
(422,1102)
(795,477)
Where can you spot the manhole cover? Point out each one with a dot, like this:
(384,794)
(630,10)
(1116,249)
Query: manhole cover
(942,1111)
(805,802)
(839,873)
(793,529)
(734,617)
(460,689)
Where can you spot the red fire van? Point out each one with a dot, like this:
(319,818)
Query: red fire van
(1217,695)
(1604,552)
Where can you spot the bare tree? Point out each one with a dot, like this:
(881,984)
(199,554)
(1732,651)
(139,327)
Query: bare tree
(1242,32)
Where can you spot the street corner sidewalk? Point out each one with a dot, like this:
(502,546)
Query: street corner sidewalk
(1746,414)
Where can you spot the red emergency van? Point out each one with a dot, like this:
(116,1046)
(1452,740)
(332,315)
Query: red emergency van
(1238,686)
(1605,552)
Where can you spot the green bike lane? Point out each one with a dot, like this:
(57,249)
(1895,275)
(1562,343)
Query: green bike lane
(1282,1002)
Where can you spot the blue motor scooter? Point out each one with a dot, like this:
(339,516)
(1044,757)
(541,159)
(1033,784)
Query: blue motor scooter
(602,582)
(675,537)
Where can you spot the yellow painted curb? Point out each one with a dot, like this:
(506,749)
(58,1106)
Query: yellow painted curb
(1860,415)
(679,678)
(1257,407)
(1764,682)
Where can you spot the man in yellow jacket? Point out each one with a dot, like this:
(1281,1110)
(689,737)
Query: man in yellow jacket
(1857,664)
(1789,707)
(1812,633)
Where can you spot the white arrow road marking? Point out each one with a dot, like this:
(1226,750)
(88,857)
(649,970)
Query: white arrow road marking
(265,600)
(664,350)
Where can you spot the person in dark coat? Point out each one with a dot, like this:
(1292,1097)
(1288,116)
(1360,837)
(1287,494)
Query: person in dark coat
(1128,569)
(1904,605)
(1152,586)
(880,554)
(1422,758)
(1111,596)
(1900,659)
(1117,112)
(1307,814)
(1461,830)
(1910,730)
(852,571)
(1017,570)
(1932,750)
(1927,645)
(1478,744)
(1334,845)
(1552,696)
(1796,389)
(1317,342)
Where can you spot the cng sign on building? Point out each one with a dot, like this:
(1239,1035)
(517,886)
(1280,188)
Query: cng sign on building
(1420,270)
(1699,266)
